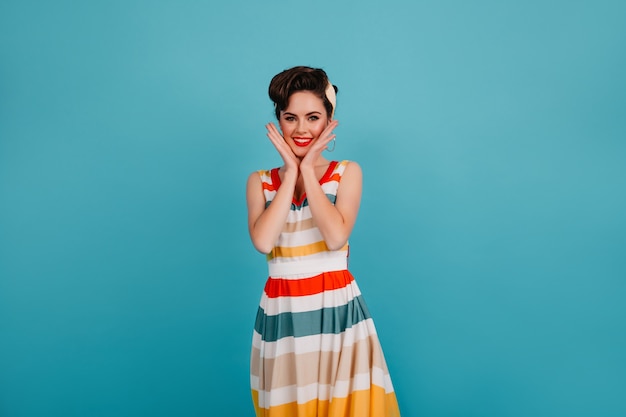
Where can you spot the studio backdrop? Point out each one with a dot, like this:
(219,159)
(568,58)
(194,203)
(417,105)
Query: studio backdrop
(490,242)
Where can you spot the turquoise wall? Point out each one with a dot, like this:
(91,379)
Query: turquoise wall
(490,244)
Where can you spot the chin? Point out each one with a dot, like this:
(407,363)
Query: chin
(300,152)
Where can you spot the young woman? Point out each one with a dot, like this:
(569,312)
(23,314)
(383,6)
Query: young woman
(315,351)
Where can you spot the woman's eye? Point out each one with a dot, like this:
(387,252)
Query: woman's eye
(313,118)
(290,118)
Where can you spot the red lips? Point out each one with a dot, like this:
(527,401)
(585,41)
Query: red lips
(302,142)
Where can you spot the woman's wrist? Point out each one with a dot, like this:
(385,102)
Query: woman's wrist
(306,169)
(308,173)
(291,173)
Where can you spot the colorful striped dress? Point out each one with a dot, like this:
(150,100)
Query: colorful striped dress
(315,351)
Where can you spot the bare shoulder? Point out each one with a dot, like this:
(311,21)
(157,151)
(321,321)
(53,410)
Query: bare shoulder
(254,179)
(352,172)
(351,184)
(254,189)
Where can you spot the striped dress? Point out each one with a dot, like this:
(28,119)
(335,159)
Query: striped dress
(315,351)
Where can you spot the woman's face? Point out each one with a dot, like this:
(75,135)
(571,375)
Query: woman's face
(303,121)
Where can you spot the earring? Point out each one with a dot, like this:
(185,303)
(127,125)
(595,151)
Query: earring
(333,148)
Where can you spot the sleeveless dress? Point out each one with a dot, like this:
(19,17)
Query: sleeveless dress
(315,351)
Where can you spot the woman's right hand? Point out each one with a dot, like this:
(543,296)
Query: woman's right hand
(292,163)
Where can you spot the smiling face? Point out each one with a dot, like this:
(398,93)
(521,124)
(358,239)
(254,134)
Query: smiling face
(303,121)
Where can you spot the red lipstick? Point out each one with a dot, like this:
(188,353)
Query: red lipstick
(302,142)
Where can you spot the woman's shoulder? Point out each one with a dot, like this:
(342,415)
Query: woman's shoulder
(346,165)
(265,177)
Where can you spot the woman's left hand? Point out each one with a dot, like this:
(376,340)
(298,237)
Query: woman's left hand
(321,144)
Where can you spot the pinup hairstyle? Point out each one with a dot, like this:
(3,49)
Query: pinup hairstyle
(295,79)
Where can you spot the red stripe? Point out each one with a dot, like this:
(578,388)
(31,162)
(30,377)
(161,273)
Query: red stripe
(329,171)
(334,177)
(327,281)
(275,178)
(269,187)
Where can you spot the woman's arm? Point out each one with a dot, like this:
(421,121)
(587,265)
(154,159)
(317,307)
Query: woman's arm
(265,224)
(335,222)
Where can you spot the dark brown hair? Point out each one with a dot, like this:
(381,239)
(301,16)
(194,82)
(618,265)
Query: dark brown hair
(284,84)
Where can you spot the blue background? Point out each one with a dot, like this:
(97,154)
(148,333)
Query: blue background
(490,244)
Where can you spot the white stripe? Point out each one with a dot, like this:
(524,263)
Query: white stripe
(358,382)
(342,389)
(288,394)
(326,299)
(330,187)
(314,343)
(388,384)
(310,266)
(299,214)
(269,195)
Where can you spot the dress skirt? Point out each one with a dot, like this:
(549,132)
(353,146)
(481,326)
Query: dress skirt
(315,351)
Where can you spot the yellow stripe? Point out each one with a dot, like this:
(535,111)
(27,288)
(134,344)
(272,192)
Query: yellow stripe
(372,402)
(304,250)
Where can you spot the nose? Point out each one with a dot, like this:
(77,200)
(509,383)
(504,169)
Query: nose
(301,126)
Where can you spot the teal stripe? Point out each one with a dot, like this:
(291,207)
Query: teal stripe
(331,197)
(333,320)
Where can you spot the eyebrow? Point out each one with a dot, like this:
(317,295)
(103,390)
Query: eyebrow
(308,114)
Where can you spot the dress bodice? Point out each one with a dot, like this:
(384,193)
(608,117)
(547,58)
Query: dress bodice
(300,247)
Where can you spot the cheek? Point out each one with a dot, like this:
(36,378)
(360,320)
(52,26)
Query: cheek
(319,129)
(283,128)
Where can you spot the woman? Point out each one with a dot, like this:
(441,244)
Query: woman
(315,351)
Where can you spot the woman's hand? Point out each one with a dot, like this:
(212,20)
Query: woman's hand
(321,144)
(289,158)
